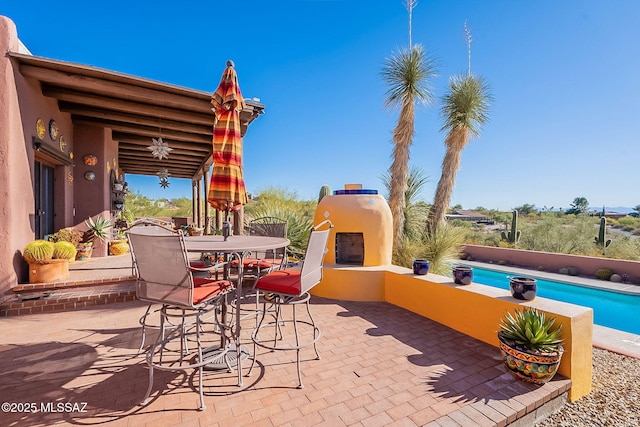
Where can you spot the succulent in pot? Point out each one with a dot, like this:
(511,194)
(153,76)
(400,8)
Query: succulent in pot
(98,229)
(47,263)
(531,346)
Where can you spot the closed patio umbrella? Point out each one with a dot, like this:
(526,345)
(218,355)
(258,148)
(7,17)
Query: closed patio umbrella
(227,191)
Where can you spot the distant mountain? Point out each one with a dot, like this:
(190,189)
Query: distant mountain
(619,209)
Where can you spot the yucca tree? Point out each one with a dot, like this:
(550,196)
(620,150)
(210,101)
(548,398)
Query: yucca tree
(464,109)
(407,73)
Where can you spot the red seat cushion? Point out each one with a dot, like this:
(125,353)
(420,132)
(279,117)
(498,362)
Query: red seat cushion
(281,281)
(257,263)
(205,289)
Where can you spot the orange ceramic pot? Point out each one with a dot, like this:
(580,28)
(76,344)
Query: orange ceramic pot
(52,271)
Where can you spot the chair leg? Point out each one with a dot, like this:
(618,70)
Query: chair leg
(315,328)
(295,331)
(201,367)
(143,322)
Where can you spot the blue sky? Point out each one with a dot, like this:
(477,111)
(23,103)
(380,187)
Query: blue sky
(564,77)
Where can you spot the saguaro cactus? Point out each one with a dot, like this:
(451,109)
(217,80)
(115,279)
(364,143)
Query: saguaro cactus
(512,236)
(324,191)
(601,239)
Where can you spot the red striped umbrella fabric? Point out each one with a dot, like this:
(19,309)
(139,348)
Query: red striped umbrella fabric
(227,191)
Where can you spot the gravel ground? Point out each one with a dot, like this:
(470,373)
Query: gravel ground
(614,398)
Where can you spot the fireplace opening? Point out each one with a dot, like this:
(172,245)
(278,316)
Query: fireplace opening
(350,248)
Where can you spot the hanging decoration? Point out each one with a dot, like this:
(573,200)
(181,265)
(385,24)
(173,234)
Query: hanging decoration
(159,148)
(163,174)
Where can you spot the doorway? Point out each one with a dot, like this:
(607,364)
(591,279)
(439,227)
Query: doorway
(43,195)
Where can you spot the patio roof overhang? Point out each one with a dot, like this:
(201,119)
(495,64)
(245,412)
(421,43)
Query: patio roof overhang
(136,110)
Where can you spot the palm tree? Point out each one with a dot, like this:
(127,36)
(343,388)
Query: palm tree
(407,73)
(465,108)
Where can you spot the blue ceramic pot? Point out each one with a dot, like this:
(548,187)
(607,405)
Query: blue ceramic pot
(462,275)
(523,288)
(420,267)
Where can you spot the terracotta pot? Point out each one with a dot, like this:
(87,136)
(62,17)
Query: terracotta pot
(52,271)
(530,366)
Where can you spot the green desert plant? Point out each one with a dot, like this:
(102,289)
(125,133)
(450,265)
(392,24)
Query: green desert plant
(465,110)
(407,74)
(531,329)
(601,239)
(67,234)
(415,211)
(38,252)
(64,250)
(98,229)
(604,273)
(512,236)
(325,190)
(442,247)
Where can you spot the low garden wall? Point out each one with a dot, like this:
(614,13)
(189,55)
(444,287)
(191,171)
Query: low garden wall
(552,262)
(474,310)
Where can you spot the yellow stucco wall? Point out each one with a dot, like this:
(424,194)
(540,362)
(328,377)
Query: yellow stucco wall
(474,310)
(368,214)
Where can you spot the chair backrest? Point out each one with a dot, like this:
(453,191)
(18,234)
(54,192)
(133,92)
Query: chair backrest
(161,266)
(150,226)
(272,227)
(311,272)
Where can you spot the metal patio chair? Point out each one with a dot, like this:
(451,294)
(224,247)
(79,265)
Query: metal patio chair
(290,287)
(164,276)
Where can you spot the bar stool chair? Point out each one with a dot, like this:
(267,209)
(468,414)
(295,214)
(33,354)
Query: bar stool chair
(290,287)
(164,276)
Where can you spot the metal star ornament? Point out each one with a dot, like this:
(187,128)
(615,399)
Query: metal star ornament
(164,182)
(159,149)
(164,173)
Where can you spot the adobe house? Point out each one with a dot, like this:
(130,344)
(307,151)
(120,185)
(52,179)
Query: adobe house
(69,132)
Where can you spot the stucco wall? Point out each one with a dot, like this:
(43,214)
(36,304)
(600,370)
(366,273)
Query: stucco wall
(552,262)
(16,210)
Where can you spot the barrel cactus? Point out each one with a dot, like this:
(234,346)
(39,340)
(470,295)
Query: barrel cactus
(38,252)
(604,273)
(64,250)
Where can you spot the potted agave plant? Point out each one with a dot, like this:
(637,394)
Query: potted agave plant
(530,345)
(48,261)
(98,229)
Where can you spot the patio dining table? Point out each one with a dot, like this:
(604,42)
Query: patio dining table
(240,247)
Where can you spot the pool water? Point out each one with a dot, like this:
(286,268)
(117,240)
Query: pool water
(610,309)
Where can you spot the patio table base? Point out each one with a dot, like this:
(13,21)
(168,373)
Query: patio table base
(225,360)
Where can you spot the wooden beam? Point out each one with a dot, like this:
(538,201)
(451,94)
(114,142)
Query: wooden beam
(92,100)
(141,130)
(144,141)
(130,92)
(136,119)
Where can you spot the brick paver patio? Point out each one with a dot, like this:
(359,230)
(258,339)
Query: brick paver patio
(380,366)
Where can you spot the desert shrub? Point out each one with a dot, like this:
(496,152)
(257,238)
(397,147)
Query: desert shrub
(628,221)
(624,248)
(442,248)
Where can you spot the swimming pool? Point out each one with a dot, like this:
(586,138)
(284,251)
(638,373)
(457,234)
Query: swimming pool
(610,309)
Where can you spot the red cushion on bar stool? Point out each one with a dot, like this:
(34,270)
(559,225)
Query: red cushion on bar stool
(205,289)
(281,281)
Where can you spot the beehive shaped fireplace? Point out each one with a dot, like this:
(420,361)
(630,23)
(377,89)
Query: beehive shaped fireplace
(363,228)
